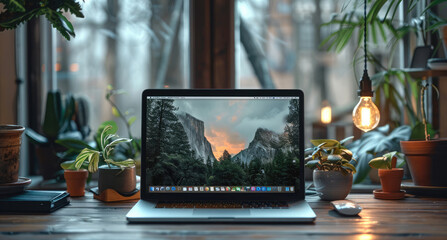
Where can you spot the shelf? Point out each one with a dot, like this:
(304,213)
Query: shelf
(424,72)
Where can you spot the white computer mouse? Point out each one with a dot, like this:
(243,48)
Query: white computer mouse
(346,207)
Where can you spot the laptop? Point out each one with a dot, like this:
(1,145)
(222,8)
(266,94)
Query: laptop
(222,156)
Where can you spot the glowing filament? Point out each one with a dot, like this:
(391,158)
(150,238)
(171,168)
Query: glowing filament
(326,115)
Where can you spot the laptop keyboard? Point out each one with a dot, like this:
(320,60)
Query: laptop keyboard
(223,204)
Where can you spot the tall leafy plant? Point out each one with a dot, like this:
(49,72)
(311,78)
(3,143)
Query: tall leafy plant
(16,12)
(383,27)
(375,143)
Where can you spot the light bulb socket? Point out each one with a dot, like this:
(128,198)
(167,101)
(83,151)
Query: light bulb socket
(365,89)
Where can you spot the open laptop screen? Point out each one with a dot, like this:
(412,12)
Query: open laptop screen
(222,144)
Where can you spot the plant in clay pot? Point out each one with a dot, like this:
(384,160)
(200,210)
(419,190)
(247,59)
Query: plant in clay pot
(119,175)
(10,142)
(390,176)
(425,156)
(75,179)
(122,151)
(332,166)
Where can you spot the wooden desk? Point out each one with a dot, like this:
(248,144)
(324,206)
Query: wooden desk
(86,218)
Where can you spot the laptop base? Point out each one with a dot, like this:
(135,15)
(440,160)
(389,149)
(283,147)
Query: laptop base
(146,211)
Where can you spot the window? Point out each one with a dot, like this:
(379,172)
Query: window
(289,35)
(134,45)
(131,45)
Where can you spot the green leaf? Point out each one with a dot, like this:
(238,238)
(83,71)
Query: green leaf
(418,131)
(84,155)
(69,26)
(116,142)
(329,143)
(73,144)
(15,5)
(312,164)
(309,151)
(36,138)
(51,123)
(121,164)
(432,4)
(342,142)
(379,163)
(73,7)
(346,154)
(350,167)
(115,112)
(93,162)
(131,120)
(113,130)
(68,165)
(333,158)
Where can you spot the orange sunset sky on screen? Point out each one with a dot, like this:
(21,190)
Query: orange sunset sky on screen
(220,140)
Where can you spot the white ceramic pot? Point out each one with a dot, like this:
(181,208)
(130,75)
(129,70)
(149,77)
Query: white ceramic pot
(332,185)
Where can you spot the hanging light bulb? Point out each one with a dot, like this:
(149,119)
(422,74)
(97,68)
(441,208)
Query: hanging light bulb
(326,113)
(366,115)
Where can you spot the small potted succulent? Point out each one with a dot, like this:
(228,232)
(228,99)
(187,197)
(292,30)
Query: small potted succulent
(75,179)
(332,168)
(113,174)
(390,176)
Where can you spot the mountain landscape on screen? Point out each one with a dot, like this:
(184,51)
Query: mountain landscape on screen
(222,142)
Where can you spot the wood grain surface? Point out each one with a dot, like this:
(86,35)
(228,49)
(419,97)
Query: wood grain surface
(87,218)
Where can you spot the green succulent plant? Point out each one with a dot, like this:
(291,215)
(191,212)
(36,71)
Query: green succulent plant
(330,155)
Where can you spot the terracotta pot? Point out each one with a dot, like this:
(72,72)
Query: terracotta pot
(10,142)
(332,185)
(443,35)
(122,181)
(76,182)
(391,179)
(427,161)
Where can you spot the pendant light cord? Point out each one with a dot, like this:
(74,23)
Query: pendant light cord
(364,36)
(365,89)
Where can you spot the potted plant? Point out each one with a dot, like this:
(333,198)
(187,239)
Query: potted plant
(392,84)
(62,120)
(75,179)
(10,142)
(331,162)
(390,176)
(425,156)
(122,151)
(114,174)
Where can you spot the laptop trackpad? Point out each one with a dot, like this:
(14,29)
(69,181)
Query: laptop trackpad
(221,212)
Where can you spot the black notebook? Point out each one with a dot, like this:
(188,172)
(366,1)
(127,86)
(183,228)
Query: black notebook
(33,201)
